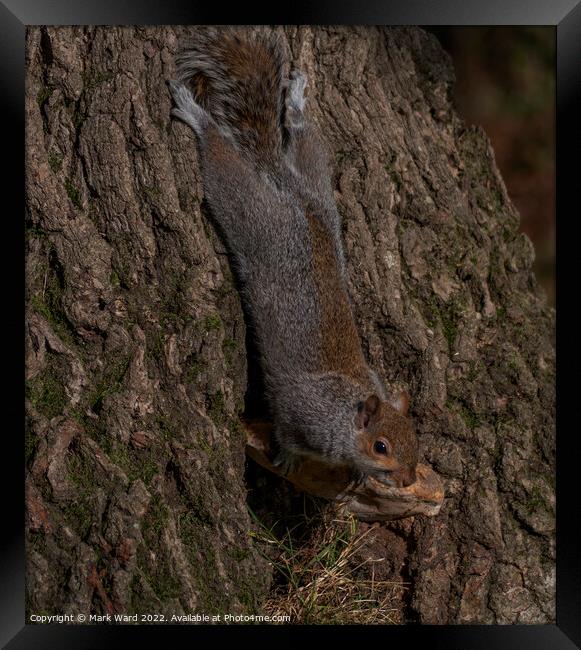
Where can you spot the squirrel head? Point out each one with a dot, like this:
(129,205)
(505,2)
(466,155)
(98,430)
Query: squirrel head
(386,440)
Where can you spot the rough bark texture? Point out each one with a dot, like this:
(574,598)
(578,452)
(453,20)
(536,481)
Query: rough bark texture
(136,360)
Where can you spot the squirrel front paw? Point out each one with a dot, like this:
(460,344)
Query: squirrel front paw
(356,480)
(286,463)
(187,109)
(357,477)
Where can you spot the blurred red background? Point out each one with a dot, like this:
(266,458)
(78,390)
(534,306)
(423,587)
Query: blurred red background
(505,82)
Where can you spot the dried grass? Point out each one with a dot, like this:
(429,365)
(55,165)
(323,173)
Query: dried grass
(321,579)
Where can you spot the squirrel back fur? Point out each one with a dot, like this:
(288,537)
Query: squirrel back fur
(266,179)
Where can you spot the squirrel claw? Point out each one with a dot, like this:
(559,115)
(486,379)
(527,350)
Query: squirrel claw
(187,109)
(180,93)
(287,464)
(296,85)
(357,480)
(298,80)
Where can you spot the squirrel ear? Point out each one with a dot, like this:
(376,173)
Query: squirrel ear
(367,410)
(401,402)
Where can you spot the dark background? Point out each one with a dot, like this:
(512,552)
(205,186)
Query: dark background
(505,82)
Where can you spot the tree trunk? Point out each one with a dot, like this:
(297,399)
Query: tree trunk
(136,356)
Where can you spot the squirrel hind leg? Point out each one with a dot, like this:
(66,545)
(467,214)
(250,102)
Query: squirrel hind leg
(295,96)
(187,109)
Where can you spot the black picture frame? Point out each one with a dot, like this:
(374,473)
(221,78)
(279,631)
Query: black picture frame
(15,15)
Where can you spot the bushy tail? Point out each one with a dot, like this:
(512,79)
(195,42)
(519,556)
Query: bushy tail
(237,78)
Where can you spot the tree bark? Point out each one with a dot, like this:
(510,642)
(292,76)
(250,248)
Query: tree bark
(136,358)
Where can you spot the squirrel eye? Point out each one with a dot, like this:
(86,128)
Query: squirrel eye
(380,447)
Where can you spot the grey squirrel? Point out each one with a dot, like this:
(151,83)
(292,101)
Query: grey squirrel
(266,180)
